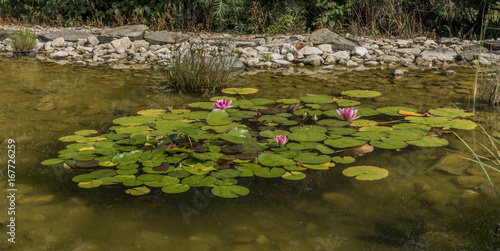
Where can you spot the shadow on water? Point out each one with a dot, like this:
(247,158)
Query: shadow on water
(423,204)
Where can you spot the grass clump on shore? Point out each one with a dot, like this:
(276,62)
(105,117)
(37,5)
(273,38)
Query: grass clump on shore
(198,70)
(23,40)
(490,88)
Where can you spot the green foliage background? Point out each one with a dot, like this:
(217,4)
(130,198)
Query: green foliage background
(374,17)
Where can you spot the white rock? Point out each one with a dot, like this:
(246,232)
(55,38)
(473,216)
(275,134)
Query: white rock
(59,54)
(307,50)
(123,43)
(252,62)
(314,60)
(48,45)
(330,59)
(403,43)
(81,42)
(140,43)
(58,42)
(286,48)
(351,63)
(262,49)
(341,55)
(359,51)
(326,48)
(281,62)
(39,46)
(371,63)
(276,56)
(93,40)
(399,72)
(290,57)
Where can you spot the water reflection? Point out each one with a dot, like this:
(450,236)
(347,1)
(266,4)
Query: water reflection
(432,199)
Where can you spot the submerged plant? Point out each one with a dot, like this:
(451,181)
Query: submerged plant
(347,113)
(198,70)
(222,104)
(198,145)
(23,40)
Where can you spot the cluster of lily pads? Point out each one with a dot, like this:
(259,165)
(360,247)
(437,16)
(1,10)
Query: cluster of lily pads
(213,144)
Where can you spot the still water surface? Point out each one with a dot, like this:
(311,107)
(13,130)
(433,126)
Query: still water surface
(432,199)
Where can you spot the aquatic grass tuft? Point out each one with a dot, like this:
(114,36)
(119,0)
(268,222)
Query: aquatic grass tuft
(490,88)
(482,160)
(23,40)
(198,70)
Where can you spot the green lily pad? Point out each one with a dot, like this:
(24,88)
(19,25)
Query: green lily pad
(292,175)
(341,131)
(198,180)
(344,142)
(347,102)
(164,181)
(49,162)
(394,110)
(312,158)
(306,136)
(365,112)
(230,191)
(84,178)
(450,112)
(294,168)
(273,134)
(247,169)
(343,160)
(218,117)
(262,101)
(389,143)
(370,135)
(429,141)
(288,101)
(138,190)
(151,112)
(90,184)
(226,173)
(265,172)
(361,93)
(332,122)
(86,132)
(232,138)
(324,166)
(317,99)
(71,138)
(308,112)
(324,149)
(271,159)
(428,120)
(462,124)
(405,134)
(240,91)
(198,115)
(411,125)
(305,128)
(366,172)
(134,120)
(363,123)
(176,188)
(132,182)
(179,174)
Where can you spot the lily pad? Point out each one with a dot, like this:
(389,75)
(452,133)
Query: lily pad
(90,184)
(429,141)
(134,120)
(332,122)
(394,110)
(138,190)
(347,102)
(240,91)
(49,162)
(272,134)
(198,180)
(366,172)
(226,173)
(312,158)
(262,101)
(71,138)
(230,191)
(293,175)
(344,142)
(363,123)
(361,93)
(177,188)
(450,112)
(428,120)
(265,172)
(324,166)
(86,132)
(365,112)
(164,181)
(306,136)
(218,117)
(343,160)
(388,143)
(462,124)
(288,101)
(317,99)
(370,135)
(151,112)
(405,135)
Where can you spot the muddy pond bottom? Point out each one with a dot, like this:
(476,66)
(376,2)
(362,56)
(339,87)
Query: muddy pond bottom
(433,199)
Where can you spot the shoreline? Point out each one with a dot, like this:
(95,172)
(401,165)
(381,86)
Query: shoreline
(134,46)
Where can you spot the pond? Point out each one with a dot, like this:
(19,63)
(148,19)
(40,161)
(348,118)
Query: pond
(432,198)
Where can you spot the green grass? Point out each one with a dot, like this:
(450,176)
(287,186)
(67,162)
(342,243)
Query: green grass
(198,70)
(23,40)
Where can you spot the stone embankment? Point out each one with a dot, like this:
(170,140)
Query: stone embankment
(128,46)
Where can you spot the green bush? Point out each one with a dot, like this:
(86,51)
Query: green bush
(282,26)
(23,40)
(198,70)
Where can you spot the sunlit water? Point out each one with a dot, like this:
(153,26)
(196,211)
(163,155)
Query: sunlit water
(432,199)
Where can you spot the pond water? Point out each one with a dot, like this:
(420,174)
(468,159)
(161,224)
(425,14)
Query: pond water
(432,200)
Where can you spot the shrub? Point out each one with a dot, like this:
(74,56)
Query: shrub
(490,88)
(282,26)
(198,69)
(24,40)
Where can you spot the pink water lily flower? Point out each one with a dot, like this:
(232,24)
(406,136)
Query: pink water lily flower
(280,140)
(222,104)
(347,114)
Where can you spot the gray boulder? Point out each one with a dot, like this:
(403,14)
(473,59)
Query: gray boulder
(165,37)
(442,54)
(493,45)
(134,32)
(68,35)
(325,36)
(5,34)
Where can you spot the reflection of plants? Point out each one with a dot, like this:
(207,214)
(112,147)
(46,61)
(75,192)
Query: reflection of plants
(23,40)
(267,57)
(198,70)
(201,146)
(282,26)
(492,163)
